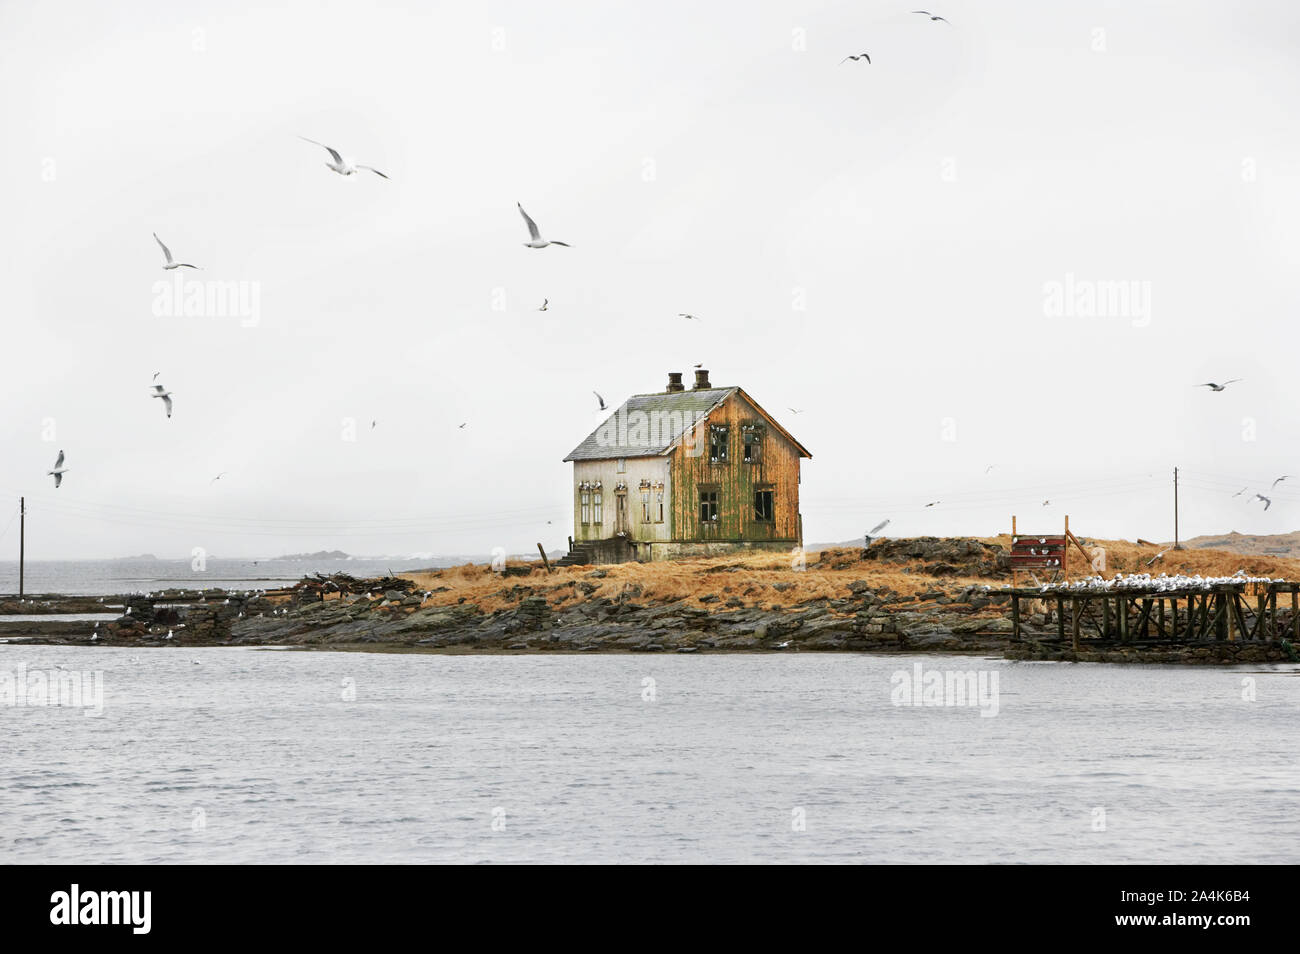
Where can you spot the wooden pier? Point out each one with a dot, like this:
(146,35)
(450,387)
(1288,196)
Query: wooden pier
(1215,612)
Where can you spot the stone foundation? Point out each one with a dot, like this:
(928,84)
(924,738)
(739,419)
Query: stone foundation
(672,550)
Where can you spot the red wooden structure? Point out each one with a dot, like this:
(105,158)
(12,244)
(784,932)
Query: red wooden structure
(1048,552)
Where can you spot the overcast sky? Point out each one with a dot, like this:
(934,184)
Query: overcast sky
(874,245)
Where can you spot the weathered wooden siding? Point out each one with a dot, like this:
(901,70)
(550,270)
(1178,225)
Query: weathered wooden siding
(736,481)
(652,469)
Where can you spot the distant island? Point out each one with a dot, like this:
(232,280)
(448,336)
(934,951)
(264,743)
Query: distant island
(318,555)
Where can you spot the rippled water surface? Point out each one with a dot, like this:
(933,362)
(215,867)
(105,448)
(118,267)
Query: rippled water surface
(239,755)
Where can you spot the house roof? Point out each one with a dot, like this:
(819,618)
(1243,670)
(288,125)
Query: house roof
(675,413)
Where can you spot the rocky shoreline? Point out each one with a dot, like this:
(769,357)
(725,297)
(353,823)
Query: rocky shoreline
(539,614)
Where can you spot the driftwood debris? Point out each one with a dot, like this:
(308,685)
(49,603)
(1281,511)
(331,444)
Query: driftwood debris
(319,585)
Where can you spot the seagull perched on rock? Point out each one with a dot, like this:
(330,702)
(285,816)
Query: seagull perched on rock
(1267,501)
(860,56)
(58,471)
(535,239)
(600,399)
(169,264)
(160,392)
(344,167)
(1218,387)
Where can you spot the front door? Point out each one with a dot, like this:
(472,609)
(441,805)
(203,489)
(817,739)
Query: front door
(620,513)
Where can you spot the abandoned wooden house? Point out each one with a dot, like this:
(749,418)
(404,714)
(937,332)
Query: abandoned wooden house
(685,473)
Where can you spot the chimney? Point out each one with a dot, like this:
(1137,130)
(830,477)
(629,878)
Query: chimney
(675,381)
(702,380)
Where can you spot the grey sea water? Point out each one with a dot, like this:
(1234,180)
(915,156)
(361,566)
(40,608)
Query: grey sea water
(133,574)
(240,755)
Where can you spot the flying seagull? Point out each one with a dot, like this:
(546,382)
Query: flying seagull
(794,411)
(160,392)
(1241,491)
(1280,479)
(462,426)
(860,56)
(1267,501)
(535,239)
(988,468)
(170,264)
(1046,503)
(871,534)
(682,314)
(1218,387)
(934,503)
(931,15)
(545,303)
(218,477)
(344,167)
(600,399)
(155,375)
(58,471)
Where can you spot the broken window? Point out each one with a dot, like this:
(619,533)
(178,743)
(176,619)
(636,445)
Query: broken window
(718,443)
(586,508)
(752,436)
(764,505)
(708,506)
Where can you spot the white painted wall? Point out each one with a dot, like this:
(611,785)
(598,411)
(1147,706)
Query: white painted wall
(606,472)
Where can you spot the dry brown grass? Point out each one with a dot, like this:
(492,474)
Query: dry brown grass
(751,578)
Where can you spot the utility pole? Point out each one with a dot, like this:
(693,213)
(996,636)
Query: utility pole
(1177,545)
(22,540)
